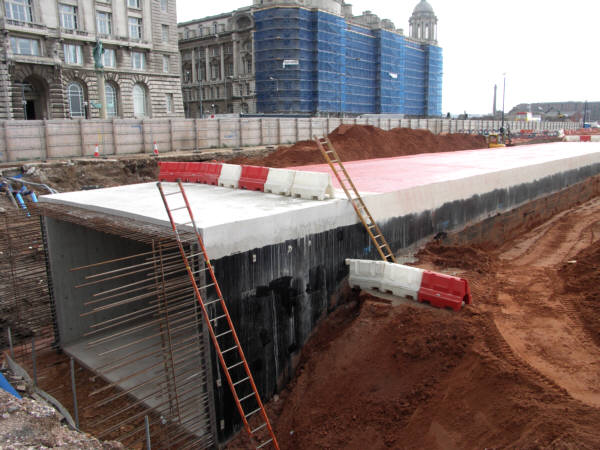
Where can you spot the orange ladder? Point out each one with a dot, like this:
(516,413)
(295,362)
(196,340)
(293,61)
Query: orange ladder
(328,152)
(220,327)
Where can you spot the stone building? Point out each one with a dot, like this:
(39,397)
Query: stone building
(217,55)
(48,69)
(311,57)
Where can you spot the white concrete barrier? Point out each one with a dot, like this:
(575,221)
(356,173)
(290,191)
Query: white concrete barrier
(401,280)
(312,185)
(595,138)
(230,175)
(280,181)
(366,274)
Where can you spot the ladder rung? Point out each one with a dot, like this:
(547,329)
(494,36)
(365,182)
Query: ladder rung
(229,349)
(172,193)
(235,365)
(265,443)
(371,226)
(206,285)
(375,237)
(218,317)
(223,334)
(252,413)
(259,428)
(212,302)
(241,381)
(247,397)
(177,209)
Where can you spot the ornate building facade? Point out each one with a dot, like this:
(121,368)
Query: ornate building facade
(48,69)
(310,57)
(218,73)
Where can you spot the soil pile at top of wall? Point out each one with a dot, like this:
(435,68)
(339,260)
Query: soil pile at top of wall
(358,142)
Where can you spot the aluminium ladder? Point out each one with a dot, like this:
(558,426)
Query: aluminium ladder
(328,152)
(221,329)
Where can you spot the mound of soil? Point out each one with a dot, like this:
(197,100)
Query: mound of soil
(358,142)
(582,275)
(460,257)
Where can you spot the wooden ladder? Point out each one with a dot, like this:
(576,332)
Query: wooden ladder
(220,326)
(334,161)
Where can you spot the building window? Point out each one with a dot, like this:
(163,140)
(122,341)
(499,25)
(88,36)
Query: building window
(215,71)
(217,92)
(18,10)
(228,69)
(76,100)
(111,100)
(109,58)
(104,22)
(68,16)
(22,46)
(165,33)
(165,60)
(73,54)
(138,60)
(133,3)
(135,28)
(169,103)
(215,28)
(139,100)
(164,5)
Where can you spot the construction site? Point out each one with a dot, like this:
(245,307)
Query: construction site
(367,288)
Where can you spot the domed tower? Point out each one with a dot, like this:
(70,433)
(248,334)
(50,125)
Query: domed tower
(423,23)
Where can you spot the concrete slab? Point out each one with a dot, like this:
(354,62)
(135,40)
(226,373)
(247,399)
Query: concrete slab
(233,221)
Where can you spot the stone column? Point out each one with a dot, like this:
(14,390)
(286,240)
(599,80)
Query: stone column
(222,48)
(101,93)
(236,56)
(194,69)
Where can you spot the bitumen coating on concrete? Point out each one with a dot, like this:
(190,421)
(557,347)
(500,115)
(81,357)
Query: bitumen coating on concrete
(233,220)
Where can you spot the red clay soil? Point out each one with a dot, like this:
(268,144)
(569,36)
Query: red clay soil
(518,369)
(358,142)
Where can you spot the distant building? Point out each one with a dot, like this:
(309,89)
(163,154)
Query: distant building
(311,57)
(560,110)
(47,66)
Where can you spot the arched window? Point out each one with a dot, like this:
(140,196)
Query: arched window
(427,32)
(112,109)
(139,101)
(76,100)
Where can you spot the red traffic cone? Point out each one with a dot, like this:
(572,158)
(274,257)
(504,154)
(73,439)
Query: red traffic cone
(155,149)
(96,152)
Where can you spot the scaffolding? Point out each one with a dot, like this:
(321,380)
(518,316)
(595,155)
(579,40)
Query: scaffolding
(314,62)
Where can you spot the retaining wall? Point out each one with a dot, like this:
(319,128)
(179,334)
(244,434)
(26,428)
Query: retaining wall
(22,140)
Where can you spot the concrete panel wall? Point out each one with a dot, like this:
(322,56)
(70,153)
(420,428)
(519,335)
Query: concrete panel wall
(22,140)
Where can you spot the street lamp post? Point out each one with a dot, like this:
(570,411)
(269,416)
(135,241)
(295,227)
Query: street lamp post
(503,97)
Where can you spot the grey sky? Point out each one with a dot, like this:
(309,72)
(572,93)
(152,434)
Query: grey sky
(548,48)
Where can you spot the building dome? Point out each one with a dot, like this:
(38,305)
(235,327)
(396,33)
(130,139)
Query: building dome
(423,7)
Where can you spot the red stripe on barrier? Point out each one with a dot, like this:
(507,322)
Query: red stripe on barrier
(170,171)
(444,291)
(253,178)
(585,138)
(209,173)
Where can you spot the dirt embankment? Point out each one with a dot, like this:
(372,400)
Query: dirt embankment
(357,142)
(518,369)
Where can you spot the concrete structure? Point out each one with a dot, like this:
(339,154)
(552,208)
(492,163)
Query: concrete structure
(280,260)
(311,57)
(20,140)
(48,70)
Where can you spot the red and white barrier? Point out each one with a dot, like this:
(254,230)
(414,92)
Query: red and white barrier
(309,185)
(437,289)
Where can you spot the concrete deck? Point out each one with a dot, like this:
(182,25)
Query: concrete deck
(233,221)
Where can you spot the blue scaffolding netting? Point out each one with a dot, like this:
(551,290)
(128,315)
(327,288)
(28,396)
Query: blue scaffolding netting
(311,62)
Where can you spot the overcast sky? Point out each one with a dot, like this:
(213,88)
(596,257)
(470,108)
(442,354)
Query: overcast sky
(547,48)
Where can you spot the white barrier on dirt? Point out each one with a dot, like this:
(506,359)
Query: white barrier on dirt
(366,274)
(401,280)
(280,181)
(230,175)
(312,185)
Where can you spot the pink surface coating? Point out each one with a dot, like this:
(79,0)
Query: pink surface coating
(393,174)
